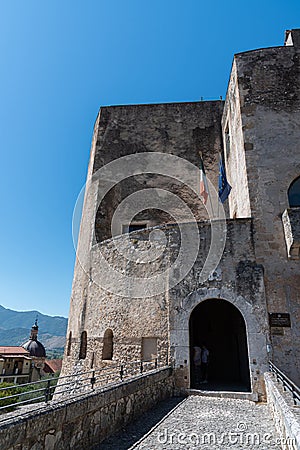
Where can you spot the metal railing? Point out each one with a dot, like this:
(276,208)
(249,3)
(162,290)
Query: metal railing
(287,384)
(62,388)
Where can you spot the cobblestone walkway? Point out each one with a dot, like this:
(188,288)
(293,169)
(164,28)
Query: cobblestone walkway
(201,423)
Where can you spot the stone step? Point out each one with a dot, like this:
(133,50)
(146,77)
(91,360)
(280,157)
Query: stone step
(252,396)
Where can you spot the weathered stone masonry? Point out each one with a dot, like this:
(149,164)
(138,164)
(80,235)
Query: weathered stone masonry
(262,117)
(257,129)
(82,423)
(131,319)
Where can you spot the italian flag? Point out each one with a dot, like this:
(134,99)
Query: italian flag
(203,183)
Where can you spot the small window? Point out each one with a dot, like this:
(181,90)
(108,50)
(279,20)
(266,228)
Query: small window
(149,348)
(294,193)
(83,345)
(69,344)
(134,227)
(227,142)
(107,350)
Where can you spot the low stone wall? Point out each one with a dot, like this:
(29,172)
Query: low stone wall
(84,422)
(286,416)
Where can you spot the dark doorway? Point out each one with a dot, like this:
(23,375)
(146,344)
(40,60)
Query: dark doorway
(221,327)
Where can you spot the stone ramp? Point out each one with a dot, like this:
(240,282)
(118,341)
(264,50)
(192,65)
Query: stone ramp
(139,428)
(204,423)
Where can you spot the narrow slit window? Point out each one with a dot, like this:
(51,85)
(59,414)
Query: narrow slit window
(83,345)
(107,351)
(227,142)
(69,344)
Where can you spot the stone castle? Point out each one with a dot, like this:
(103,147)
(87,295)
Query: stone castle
(157,271)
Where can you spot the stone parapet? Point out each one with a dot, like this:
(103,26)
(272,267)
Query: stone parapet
(84,422)
(286,416)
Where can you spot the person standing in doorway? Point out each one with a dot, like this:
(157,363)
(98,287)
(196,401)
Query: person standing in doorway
(197,364)
(204,363)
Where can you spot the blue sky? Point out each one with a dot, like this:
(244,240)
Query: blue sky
(62,60)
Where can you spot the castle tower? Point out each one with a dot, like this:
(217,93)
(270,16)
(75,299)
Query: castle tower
(184,275)
(261,129)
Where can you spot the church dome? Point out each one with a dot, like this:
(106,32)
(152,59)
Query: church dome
(35,348)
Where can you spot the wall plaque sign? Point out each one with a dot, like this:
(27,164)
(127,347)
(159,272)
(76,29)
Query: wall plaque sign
(277,331)
(279,320)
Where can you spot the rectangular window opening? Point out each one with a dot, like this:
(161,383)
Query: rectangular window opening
(134,226)
(149,348)
(227,142)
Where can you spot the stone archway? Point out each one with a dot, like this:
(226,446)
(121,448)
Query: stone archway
(220,326)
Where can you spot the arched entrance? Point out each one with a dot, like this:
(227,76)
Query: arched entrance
(220,326)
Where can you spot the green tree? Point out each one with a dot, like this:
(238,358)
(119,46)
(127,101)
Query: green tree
(8,392)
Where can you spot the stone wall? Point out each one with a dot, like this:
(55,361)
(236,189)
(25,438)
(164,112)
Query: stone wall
(286,415)
(234,150)
(181,129)
(178,129)
(266,83)
(166,316)
(240,282)
(84,422)
(261,133)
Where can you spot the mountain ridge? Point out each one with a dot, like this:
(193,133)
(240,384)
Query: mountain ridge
(15,328)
